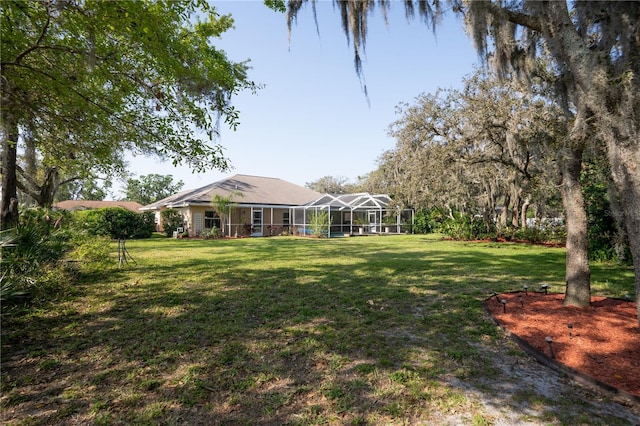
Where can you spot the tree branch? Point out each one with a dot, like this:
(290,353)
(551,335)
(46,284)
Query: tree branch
(518,18)
(40,38)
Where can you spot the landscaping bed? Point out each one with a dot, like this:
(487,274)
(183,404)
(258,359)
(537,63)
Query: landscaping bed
(601,341)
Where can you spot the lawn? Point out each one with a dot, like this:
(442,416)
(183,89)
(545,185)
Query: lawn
(300,331)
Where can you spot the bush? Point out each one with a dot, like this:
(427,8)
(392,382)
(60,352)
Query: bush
(423,223)
(91,250)
(211,233)
(32,255)
(531,234)
(319,223)
(462,226)
(146,225)
(171,220)
(116,222)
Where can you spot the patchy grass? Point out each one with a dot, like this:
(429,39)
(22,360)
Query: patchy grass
(375,330)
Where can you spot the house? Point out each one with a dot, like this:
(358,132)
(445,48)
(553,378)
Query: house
(72,205)
(265,206)
(261,205)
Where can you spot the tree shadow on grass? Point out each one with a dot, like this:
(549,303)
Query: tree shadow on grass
(373,333)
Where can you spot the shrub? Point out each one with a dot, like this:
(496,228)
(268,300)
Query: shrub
(247,229)
(32,255)
(116,222)
(91,251)
(531,234)
(211,233)
(428,220)
(422,223)
(319,223)
(171,220)
(146,225)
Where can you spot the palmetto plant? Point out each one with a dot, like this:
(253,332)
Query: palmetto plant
(29,252)
(8,288)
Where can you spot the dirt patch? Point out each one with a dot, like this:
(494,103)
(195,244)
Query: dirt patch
(601,341)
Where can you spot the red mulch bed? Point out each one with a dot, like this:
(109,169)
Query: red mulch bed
(603,341)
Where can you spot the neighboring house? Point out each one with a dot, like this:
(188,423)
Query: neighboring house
(72,205)
(262,205)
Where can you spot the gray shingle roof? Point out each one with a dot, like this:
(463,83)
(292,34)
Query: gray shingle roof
(243,189)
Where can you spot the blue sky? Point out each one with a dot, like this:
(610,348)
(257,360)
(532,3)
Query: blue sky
(312,119)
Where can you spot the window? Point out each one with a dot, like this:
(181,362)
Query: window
(257,218)
(285,219)
(211,219)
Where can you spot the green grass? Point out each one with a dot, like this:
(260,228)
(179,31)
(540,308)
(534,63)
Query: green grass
(277,331)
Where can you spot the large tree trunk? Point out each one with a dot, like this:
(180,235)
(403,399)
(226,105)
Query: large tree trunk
(515,216)
(614,106)
(624,159)
(9,204)
(43,194)
(578,273)
(524,210)
(621,238)
(505,211)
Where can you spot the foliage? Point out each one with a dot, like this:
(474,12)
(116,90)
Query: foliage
(87,82)
(43,234)
(212,233)
(87,188)
(224,206)
(604,232)
(462,226)
(277,5)
(172,219)
(32,254)
(91,251)
(116,223)
(10,288)
(247,229)
(146,225)
(543,232)
(151,188)
(427,221)
(472,150)
(334,185)
(318,223)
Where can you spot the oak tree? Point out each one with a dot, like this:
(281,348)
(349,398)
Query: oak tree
(89,81)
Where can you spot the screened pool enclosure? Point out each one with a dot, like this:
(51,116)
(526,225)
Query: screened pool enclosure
(354,214)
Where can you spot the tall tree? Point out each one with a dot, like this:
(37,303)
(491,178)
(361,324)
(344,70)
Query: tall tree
(224,207)
(92,80)
(88,188)
(592,46)
(333,185)
(151,188)
(469,149)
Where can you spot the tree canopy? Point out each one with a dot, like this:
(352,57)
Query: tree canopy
(151,188)
(86,82)
(88,188)
(335,185)
(473,150)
